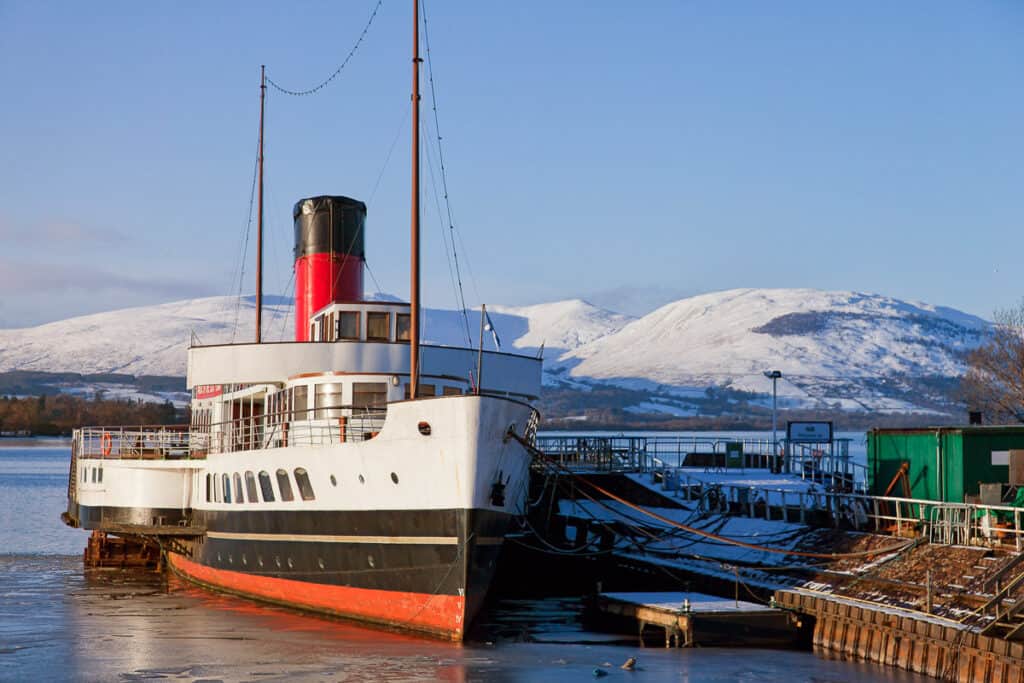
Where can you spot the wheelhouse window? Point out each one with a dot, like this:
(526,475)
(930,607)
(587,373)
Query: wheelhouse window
(451,391)
(348,325)
(369,394)
(239,497)
(329,400)
(285,486)
(305,487)
(226,481)
(266,487)
(422,390)
(403,326)
(377,326)
(250,487)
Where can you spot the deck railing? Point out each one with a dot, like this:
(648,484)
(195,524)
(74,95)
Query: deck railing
(314,427)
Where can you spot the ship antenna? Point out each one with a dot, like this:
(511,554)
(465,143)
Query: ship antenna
(259,216)
(414,286)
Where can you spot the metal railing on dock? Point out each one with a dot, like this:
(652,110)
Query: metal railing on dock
(638,454)
(940,522)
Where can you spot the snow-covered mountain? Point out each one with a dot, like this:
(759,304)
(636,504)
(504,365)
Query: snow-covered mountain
(834,349)
(844,350)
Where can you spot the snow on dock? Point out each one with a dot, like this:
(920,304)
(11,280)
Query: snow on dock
(689,619)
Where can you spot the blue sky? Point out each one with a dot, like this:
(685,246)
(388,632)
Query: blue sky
(626,153)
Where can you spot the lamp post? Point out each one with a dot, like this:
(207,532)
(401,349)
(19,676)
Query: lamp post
(774,376)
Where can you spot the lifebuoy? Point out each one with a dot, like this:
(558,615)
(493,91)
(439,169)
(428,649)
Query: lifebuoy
(106,443)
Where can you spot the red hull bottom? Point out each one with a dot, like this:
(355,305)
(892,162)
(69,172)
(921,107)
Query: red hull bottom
(439,615)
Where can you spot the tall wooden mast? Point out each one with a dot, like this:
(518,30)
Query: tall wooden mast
(259,217)
(414,286)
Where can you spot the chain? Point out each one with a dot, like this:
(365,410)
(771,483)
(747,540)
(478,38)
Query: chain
(337,71)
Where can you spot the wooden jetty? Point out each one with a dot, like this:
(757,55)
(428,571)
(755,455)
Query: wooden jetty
(690,619)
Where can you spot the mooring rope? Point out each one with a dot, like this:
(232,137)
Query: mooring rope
(700,532)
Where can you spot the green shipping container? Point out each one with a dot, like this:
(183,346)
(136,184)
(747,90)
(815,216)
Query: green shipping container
(946,463)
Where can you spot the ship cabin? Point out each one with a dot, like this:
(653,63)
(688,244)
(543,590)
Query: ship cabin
(336,387)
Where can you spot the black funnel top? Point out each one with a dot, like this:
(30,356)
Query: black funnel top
(327,224)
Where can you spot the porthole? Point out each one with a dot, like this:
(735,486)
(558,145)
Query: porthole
(259,560)
(394,478)
(218,558)
(362,479)
(277,561)
(231,559)
(244,561)
(291,565)
(320,562)
(424,428)
(334,480)
(369,561)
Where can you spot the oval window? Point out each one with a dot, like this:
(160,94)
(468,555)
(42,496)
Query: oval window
(424,428)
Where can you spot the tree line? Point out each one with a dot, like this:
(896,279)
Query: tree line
(58,414)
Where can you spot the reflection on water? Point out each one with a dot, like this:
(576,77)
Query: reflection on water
(58,622)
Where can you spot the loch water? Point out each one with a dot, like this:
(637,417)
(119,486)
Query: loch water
(61,623)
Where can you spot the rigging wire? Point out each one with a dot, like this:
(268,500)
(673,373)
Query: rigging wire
(245,249)
(337,71)
(444,239)
(444,175)
(387,159)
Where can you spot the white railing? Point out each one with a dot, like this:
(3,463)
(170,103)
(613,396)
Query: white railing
(146,442)
(345,424)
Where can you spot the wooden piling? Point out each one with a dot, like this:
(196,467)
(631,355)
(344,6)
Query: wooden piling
(922,644)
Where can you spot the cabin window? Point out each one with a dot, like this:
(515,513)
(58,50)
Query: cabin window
(250,487)
(403,326)
(100,475)
(329,400)
(226,481)
(377,326)
(94,475)
(302,480)
(267,487)
(301,403)
(451,391)
(329,329)
(285,486)
(239,497)
(209,488)
(422,390)
(369,394)
(348,325)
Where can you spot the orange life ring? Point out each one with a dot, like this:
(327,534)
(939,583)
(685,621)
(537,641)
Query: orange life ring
(106,443)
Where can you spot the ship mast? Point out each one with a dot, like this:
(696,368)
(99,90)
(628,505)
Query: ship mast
(259,216)
(414,286)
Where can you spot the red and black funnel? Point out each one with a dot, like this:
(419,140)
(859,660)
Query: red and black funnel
(329,255)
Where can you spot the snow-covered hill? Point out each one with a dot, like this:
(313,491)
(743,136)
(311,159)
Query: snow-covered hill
(844,350)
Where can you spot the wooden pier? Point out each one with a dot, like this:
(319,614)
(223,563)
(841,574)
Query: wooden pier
(689,619)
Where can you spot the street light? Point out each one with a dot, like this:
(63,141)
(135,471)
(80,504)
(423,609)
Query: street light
(774,376)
